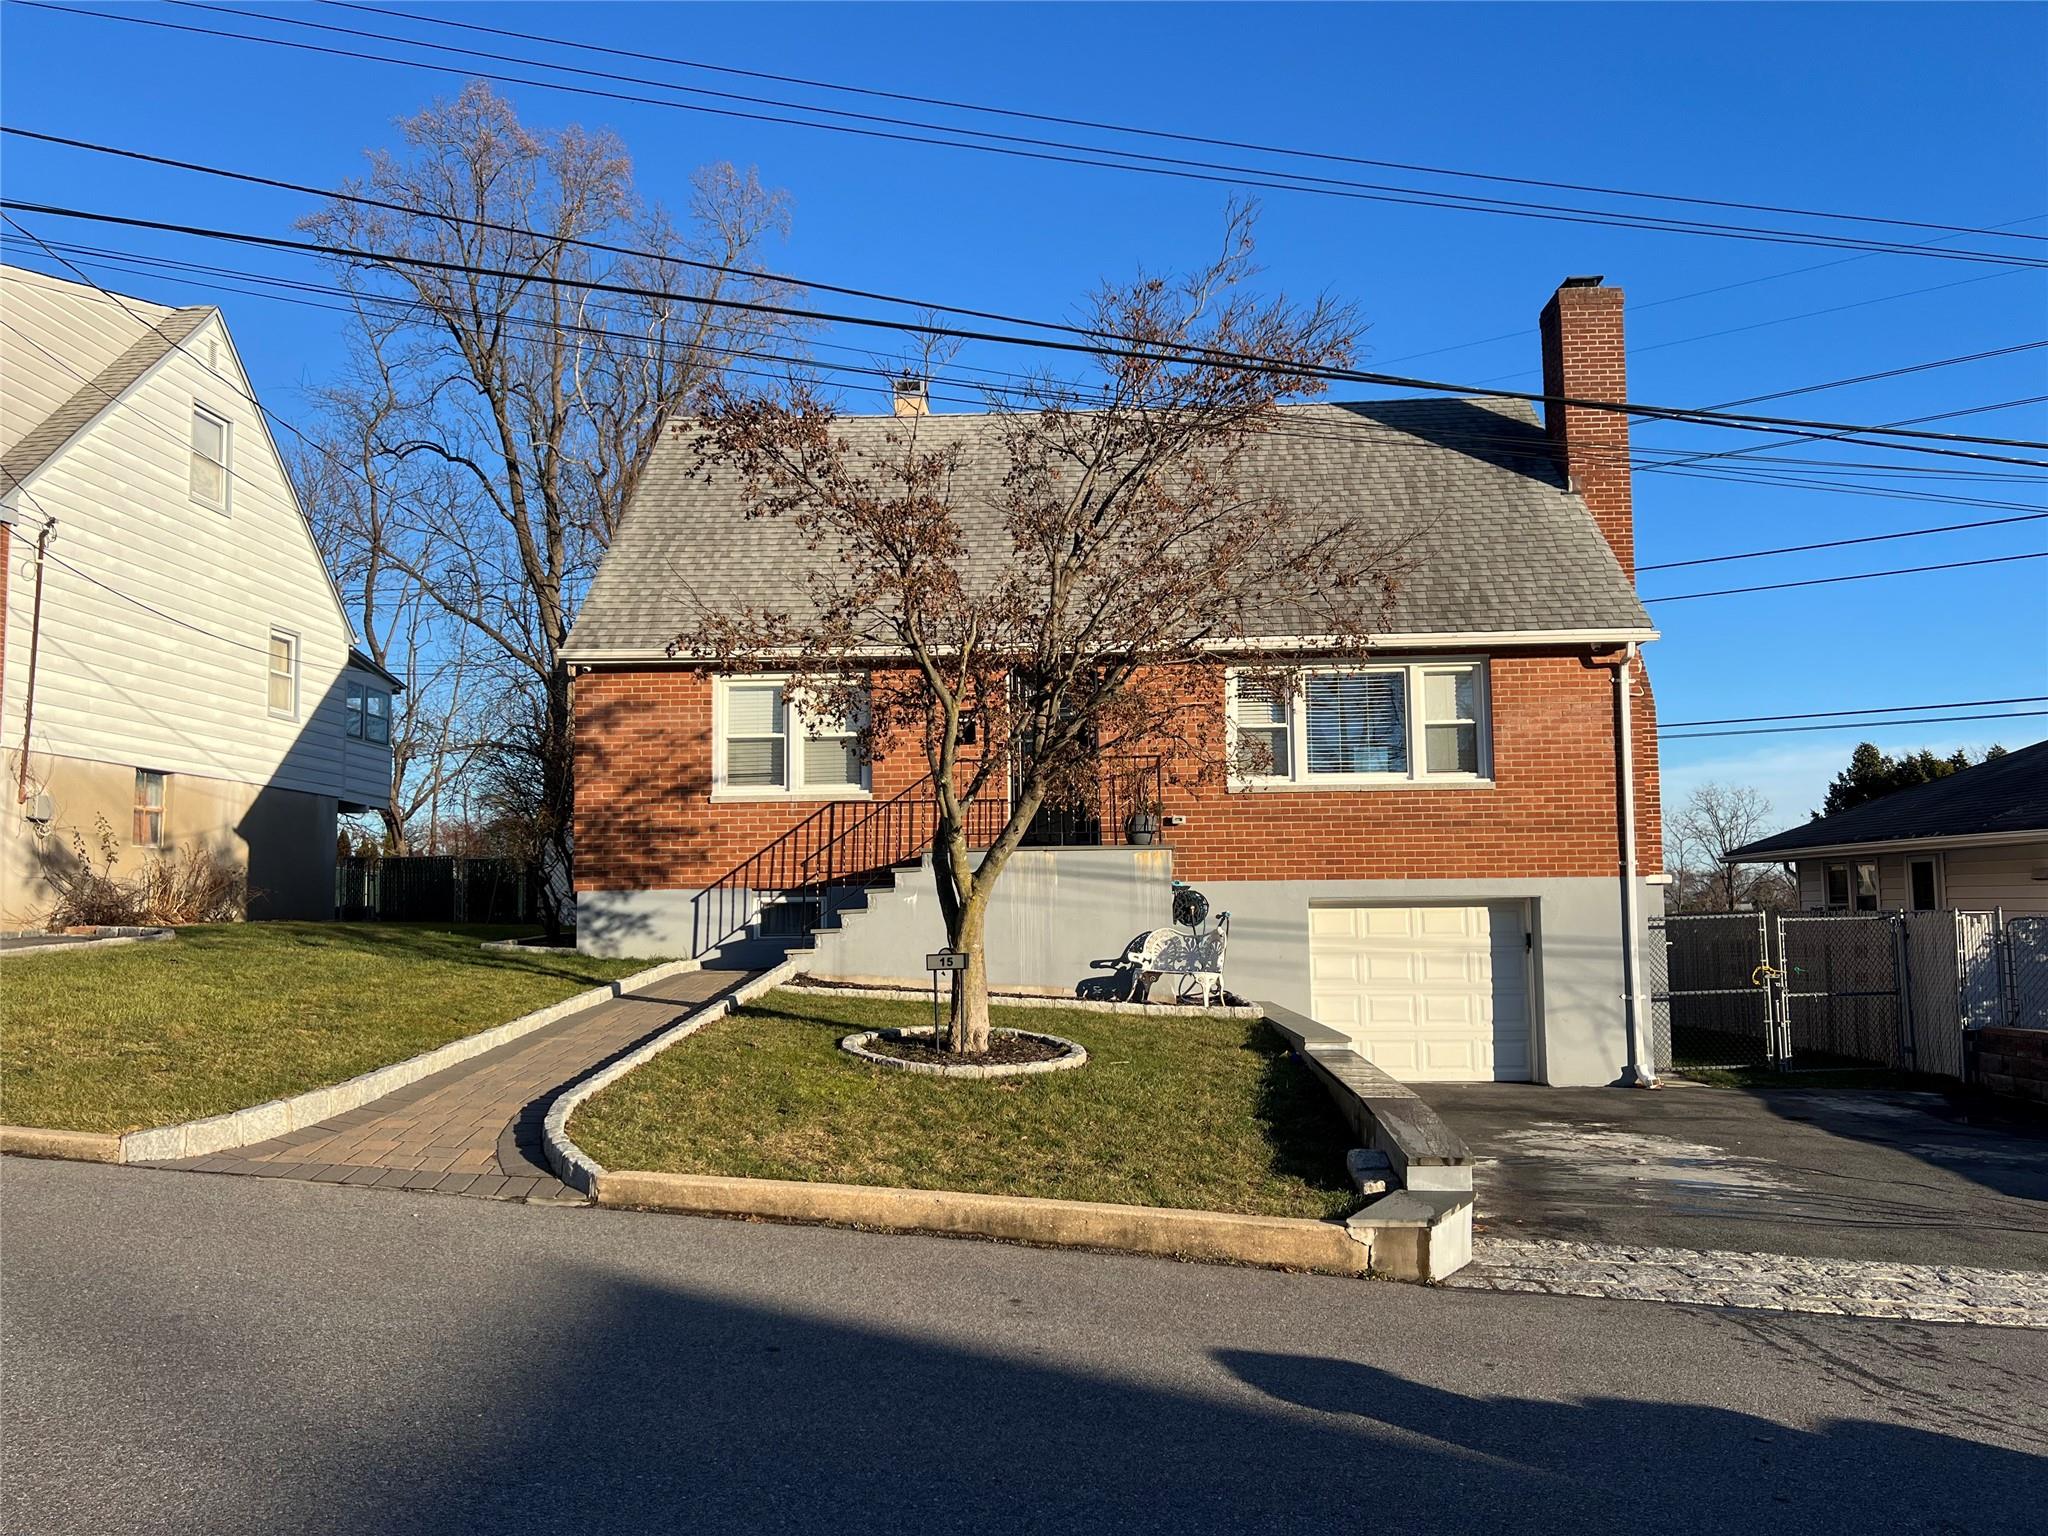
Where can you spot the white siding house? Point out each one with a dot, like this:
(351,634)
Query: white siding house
(192,675)
(1975,841)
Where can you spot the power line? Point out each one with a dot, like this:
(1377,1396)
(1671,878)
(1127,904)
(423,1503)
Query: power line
(1166,352)
(390,205)
(1824,581)
(1283,430)
(1863,467)
(1869,538)
(1887,373)
(1823,714)
(1157,133)
(1083,156)
(1862,725)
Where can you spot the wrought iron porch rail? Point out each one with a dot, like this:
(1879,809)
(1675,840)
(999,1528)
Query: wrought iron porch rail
(848,844)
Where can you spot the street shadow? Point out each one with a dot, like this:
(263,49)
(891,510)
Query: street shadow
(1945,1130)
(656,1408)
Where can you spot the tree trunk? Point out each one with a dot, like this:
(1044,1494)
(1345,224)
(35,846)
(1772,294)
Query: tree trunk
(969,1022)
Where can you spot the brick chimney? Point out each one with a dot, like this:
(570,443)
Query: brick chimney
(1583,357)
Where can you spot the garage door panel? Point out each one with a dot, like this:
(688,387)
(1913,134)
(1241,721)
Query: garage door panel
(1429,993)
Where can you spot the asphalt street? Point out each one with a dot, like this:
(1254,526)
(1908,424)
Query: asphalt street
(193,1353)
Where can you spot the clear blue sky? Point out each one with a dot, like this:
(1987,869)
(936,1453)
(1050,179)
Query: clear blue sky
(1927,112)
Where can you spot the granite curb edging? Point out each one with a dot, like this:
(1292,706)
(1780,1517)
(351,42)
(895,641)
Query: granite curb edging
(262,1122)
(571,1164)
(1072,1055)
(109,941)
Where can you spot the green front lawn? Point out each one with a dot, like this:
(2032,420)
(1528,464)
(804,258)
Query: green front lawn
(1205,1113)
(228,1015)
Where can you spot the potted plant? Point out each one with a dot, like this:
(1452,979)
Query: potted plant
(1141,827)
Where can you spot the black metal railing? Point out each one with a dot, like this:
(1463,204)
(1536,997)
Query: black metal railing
(785,888)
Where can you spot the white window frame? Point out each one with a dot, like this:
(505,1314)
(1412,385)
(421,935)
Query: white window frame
(1932,861)
(793,787)
(1296,774)
(161,810)
(355,711)
(227,457)
(270,671)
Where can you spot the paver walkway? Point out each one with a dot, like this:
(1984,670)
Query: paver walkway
(474,1129)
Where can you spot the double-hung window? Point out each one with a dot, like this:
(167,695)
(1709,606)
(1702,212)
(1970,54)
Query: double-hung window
(209,459)
(369,715)
(767,746)
(1391,723)
(1851,887)
(149,809)
(283,680)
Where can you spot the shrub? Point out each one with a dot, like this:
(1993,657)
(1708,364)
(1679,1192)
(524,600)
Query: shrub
(187,885)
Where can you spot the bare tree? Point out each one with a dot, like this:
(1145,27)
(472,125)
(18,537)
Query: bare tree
(374,515)
(1714,820)
(1084,609)
(538,397)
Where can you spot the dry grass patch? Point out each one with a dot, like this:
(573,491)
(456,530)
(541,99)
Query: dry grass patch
(1206,1113)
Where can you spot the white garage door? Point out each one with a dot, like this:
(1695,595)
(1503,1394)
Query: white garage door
(1431,994)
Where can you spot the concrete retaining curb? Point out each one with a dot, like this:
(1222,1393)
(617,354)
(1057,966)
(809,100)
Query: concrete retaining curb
(572,1165)
(241,1127)
(1271,1242)
(76,1146)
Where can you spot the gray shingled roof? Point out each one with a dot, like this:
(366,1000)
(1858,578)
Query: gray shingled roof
(2009,794)
(1494,541)
(46,438)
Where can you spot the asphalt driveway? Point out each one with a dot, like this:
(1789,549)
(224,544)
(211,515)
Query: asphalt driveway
(1823,1174)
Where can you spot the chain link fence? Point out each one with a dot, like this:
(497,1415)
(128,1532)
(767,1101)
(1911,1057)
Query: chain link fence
(1903,990)
(2025,964)
(1709,1003)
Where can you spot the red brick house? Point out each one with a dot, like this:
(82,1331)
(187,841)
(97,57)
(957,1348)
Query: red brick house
(1445,876)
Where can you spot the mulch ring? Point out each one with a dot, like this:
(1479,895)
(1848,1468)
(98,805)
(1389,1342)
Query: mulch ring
(1006,1048)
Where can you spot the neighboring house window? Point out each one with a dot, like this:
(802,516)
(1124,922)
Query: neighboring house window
(284,673)
(1923,885)
(767,747)
(209,459)
(1852,887)
(149,808)
(369,715)
(1395,723)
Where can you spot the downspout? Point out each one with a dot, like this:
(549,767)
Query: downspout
(35,633)
(1642,1069)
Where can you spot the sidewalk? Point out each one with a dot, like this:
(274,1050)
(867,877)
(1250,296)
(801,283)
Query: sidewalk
(475,1128)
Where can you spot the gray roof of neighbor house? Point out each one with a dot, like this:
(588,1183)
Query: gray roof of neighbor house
(41,442)
(1493,541)
(2008,795)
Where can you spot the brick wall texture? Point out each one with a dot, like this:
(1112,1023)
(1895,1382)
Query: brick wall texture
(645,818)
(1583,357)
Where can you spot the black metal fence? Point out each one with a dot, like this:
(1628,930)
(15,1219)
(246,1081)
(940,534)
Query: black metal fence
(433,888)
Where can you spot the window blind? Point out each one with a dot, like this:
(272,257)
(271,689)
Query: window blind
(1357,723)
